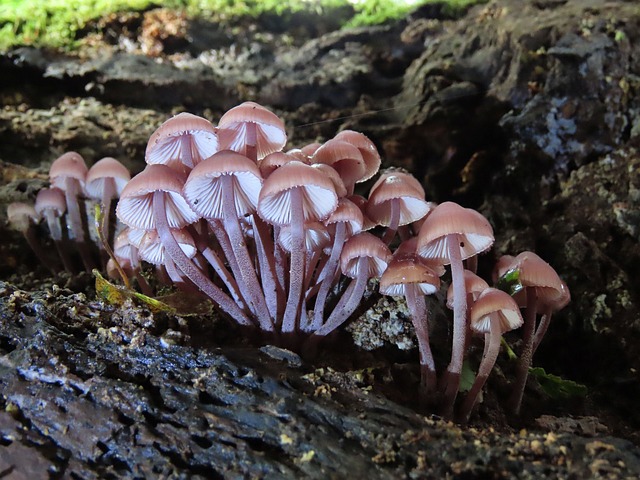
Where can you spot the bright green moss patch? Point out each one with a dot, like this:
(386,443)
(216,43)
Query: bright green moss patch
(56,23)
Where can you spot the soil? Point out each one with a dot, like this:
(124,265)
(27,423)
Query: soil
(525,110)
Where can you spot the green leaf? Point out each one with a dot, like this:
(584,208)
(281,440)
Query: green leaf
(510,282)
(467,377)
(557,387)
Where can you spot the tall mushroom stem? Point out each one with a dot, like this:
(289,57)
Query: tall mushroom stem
(394,221)
(238,243)
(188,268)
(451,378)
(545,320)
(273,290)
(296,267)
(526,355)
(419,317)
(186,156)
(327,276)
(53,222)
(75,226)
(491,350)
(349,301)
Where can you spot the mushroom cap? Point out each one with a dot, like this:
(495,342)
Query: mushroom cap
(535,272)
(274,161)
(491,303)
(102,171)
(344,158)
(408,270)
(502,266)
(397,186)
(473,285)
(319,195)
(310,148)
(270,131)
(152,250)
(336,179)
(364,244)
(135,207)
(316,237)
(367,149)
(203,188)
(68,165)
(474,232)
(361,202)
(51,199)
(165,144)
(122,245)
(349,213)
(20,215)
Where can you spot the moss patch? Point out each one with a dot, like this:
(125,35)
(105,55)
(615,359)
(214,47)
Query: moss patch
(58,23)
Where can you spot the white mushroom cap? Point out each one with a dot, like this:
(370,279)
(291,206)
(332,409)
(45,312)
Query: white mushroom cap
(408,270)
(365,245)
(474,231)
(51,199)
(107,169)
(68,165)
(270,131)
(20,215)
(316,237)
(135,207)
(319,195)
(152,251)
(203,189)
(165,144)
(396,186)
(491,303)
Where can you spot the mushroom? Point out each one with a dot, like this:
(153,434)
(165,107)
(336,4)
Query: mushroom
(292,195)
(344,158)
(492,314)
(225,187)
(22,217)
(363,256)
(544,291)
(68,173)
(105,180)
(252,130)
(182,142)
(409,276)
(346,221)
(51,204)
(451,234)
(396,199)
(153,200)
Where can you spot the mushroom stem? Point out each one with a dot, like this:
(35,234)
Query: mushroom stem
(186,156)
(53,222)
(451,378)
(250,147)
(542,329)
(254,293)
(214,260)
(327,275)
(486,365)
(174,251)
(296,267)
(419,317)
(273,290)
(74,222)
(394,221)
(526,355)
(348,302)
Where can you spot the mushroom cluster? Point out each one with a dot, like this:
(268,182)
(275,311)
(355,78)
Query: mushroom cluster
(280,241)
(67,208)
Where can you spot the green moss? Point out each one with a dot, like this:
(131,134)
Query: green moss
(56,23)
